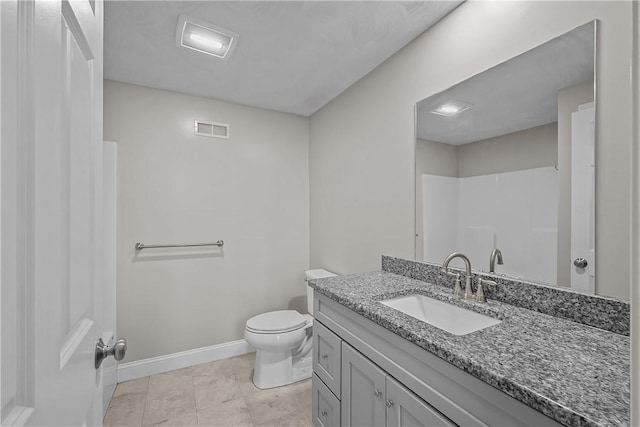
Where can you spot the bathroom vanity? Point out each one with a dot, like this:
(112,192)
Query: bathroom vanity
(375,365)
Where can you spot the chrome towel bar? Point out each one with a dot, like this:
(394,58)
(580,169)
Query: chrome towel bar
(140,246)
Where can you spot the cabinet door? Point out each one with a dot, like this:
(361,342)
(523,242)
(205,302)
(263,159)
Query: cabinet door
(363,390)
(326,407)
(405,409)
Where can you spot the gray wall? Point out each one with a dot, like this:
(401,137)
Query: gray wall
(362,144)
(527,149)
(436,158)
(251,190)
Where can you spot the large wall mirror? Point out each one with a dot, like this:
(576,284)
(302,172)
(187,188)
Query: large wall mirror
(505,166)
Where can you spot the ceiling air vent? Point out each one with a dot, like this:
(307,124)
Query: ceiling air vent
(212,130)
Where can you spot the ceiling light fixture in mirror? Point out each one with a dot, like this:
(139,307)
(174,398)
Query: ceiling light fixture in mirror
(451,108)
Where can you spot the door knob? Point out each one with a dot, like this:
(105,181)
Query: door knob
(103,351)
(580,262)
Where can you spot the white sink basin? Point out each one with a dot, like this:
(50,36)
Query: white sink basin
(451,318)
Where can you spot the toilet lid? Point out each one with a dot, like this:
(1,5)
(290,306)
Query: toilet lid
(276,321)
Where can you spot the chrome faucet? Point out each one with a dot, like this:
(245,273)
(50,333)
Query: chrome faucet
(468,292)
(492,260)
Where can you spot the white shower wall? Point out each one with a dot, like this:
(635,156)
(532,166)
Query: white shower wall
(515,212)
(440,198)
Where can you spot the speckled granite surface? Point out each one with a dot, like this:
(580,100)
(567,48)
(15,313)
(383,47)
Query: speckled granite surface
(571,372)
(600,312)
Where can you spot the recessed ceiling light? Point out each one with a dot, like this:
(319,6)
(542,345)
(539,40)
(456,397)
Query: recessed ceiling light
(205,37)
(206,41)
(451,108)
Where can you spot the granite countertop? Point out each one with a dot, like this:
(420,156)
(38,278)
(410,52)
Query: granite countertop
(576,374)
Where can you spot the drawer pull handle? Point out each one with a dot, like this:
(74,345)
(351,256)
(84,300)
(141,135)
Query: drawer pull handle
(389,403)
(324,412)
(377,393)
(325,356)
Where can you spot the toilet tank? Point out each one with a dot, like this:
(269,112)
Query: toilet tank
(314,274)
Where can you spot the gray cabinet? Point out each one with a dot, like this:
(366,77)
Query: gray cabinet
(404,409)
(326,357)
(371,397)
(325,385)
(363,390)
(325,405)
(420,387)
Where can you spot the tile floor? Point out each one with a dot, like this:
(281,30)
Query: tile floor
(219,393)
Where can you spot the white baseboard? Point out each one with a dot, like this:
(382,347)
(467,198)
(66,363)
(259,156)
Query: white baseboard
(157,365)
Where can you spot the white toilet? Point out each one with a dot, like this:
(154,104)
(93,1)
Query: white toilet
(283,342)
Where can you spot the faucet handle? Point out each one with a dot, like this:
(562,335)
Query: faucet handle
(457,287)
(480,296)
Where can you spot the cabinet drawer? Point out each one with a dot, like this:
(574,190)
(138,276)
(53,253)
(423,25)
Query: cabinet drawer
(326,407)
(326,356)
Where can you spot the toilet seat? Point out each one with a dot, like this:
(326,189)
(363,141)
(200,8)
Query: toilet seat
(276,322)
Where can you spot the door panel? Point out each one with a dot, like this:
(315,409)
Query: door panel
(77,186)
(66,43)
(405,409)
(14,287)
(363,390)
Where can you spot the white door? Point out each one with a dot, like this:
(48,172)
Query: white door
(51,195)
(583,198)
(109,176)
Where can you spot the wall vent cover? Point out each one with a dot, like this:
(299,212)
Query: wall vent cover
(212,130)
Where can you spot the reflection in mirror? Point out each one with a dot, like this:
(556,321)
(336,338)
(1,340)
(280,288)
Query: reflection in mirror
(505,160)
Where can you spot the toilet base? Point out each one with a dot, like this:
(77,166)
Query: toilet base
(276,369)
(302,368)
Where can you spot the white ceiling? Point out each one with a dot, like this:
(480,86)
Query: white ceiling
(292,56)
(518,94)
